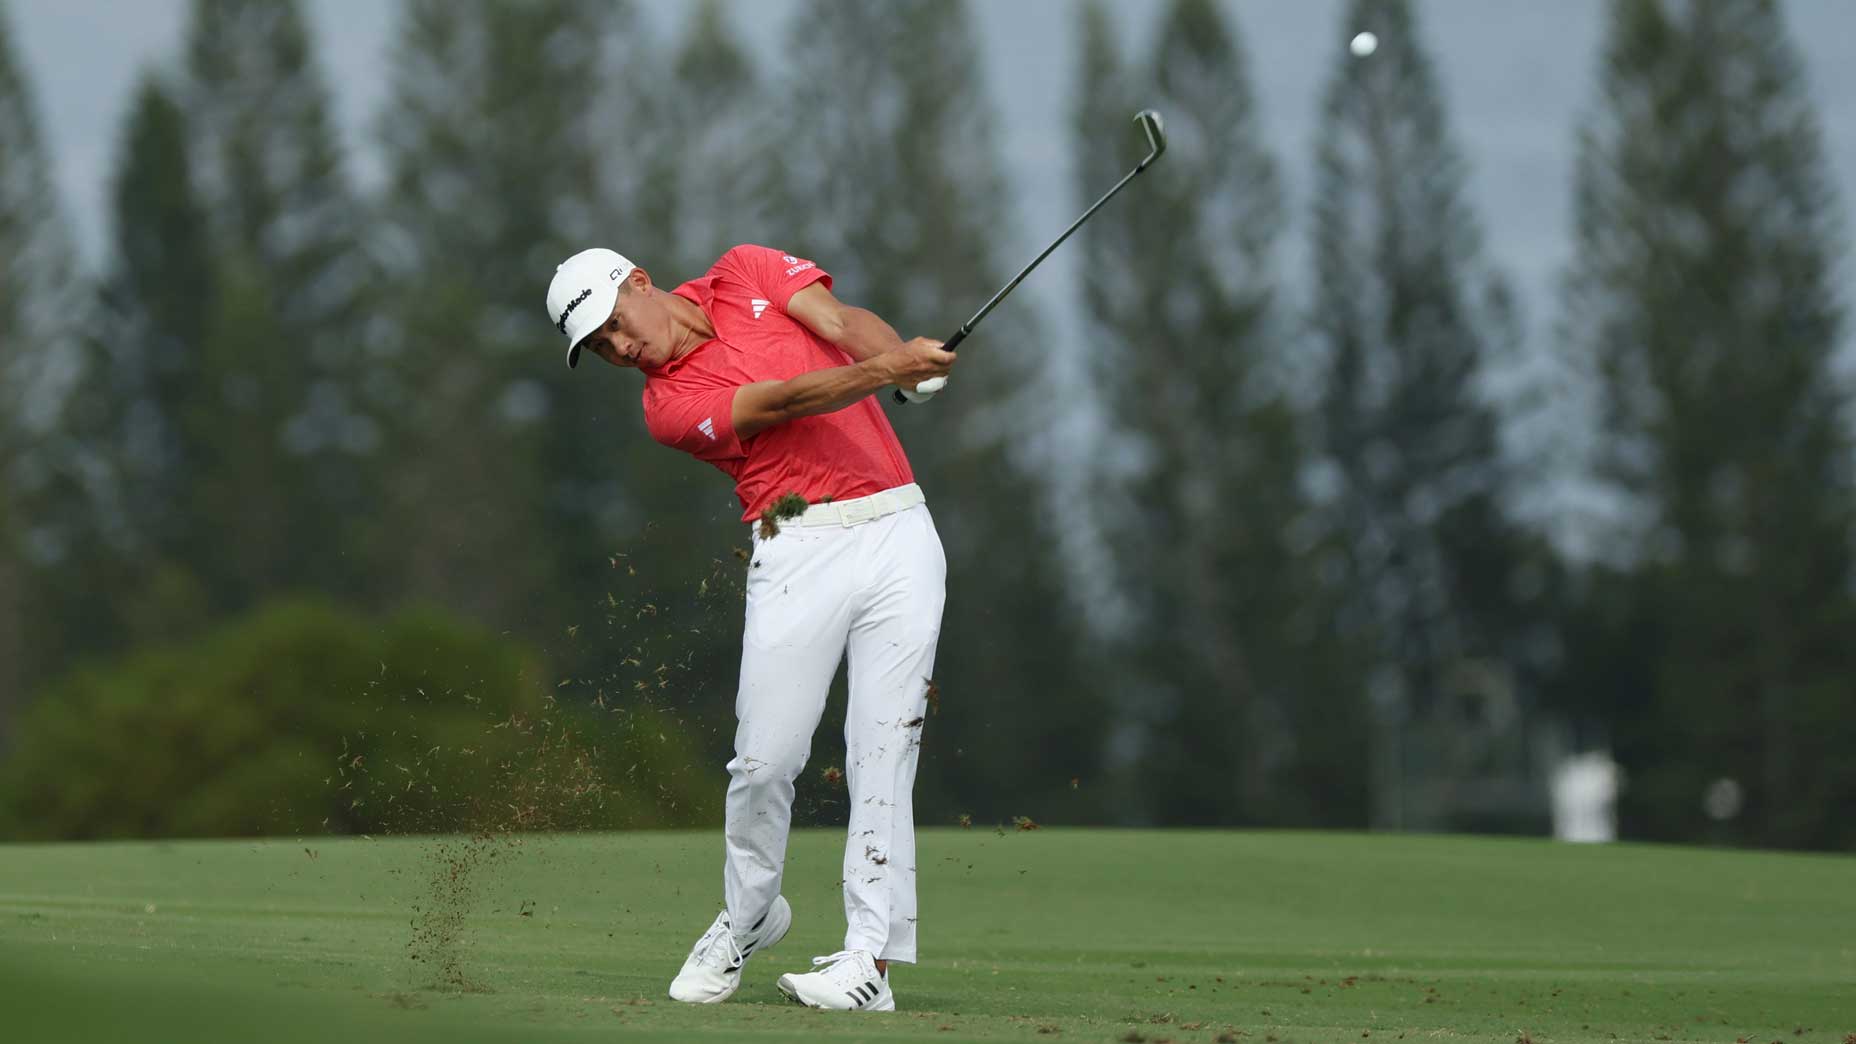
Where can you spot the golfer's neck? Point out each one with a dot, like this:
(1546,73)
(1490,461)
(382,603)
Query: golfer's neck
(693,326)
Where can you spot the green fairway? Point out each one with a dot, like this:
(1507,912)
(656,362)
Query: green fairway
(1050,934)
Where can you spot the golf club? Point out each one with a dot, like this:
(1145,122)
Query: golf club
(1156,144)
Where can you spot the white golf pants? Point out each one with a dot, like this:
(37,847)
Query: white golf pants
(874,589)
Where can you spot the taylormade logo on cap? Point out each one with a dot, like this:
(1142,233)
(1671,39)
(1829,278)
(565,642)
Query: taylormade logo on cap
(571,305)
(581,296)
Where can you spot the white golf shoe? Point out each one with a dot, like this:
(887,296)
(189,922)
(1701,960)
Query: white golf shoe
(845,981)
(712,972)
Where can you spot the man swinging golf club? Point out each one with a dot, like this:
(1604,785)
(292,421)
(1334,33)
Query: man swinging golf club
(759,370)
(756,368)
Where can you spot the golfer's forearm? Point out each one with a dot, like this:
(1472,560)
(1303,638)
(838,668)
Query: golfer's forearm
(864,335)
(761,406)
(824,391)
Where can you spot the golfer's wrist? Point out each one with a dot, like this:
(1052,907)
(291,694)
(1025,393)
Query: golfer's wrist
(879,371)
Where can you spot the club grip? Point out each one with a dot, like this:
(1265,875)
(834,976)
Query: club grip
(947,346)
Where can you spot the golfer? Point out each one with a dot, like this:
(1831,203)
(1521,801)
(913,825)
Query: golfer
(759,370)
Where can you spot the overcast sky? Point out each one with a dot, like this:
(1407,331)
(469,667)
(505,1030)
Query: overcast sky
(1517,75)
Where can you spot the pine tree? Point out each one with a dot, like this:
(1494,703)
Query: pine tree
(505,124)
(894,184)
(119,503)
(285,351)
(271,158)
(722,174)
(139,419)
(1230,678)
(36,298)
(1410,319)
(1703,300)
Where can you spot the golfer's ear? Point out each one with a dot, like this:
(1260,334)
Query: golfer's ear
(818,311)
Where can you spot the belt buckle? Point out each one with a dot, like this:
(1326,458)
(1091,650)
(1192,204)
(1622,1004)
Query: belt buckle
(852,512)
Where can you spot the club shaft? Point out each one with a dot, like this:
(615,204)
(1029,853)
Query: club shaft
(967,327)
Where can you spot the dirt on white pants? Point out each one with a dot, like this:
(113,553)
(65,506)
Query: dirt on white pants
(874,590)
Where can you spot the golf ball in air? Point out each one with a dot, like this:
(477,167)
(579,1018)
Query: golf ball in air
(1364,44)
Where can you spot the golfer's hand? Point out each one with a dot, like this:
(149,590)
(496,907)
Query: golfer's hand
(919,360)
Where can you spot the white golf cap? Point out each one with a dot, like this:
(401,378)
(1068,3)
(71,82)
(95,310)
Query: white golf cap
(581,297)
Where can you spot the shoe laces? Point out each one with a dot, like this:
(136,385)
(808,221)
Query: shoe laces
(844,963)
(717,948)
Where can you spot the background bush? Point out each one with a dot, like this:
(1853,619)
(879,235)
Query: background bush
(303,719)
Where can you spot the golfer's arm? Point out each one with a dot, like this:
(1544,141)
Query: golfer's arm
(760,406)
(858,332)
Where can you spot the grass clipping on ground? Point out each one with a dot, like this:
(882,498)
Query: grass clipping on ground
(551,784)
(478,803)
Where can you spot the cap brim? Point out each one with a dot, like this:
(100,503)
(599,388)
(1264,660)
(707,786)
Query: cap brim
(573,356)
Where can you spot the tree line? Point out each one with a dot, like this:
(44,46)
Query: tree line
(1280,579)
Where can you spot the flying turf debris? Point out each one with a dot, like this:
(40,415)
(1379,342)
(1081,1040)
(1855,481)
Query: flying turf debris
(791,505)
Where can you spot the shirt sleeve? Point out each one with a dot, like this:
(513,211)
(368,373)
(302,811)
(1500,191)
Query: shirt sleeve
(700,423)
(775,275)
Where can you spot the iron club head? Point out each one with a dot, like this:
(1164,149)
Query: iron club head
(1156,135)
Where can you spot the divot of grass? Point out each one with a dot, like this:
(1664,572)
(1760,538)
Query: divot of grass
(789,505)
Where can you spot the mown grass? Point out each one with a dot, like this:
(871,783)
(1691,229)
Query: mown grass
(1084,935)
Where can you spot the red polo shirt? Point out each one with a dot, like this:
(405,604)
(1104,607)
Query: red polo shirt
(689,402)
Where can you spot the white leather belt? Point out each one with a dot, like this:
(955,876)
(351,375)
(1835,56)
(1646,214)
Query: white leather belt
(860,509)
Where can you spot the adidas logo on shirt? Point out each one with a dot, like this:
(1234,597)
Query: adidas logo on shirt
(759,306)
(707,427)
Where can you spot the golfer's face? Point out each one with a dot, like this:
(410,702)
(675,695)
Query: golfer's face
(637,333)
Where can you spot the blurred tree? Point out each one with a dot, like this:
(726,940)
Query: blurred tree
(191,485)
(286,439)
(894,184)
(1234,692)
(716,188)
(503,122)
(1703,300)
(1410,320)
(38,298)
(137,424)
